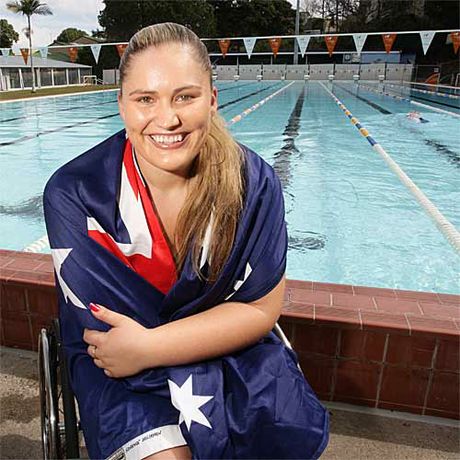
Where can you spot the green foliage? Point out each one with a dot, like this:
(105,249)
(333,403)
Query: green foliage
(7,34)
(29,7)
(70,34)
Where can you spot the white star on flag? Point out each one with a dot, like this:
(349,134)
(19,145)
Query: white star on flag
(59,257)
(188,404)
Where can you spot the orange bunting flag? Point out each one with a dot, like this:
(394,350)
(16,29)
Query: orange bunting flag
(73,53)
(388,40)
(455,36)
(275,44)
(224,45)
(25,54)
(331,41)
(121,49)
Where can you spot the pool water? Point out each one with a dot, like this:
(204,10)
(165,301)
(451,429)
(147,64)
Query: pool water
(350,220)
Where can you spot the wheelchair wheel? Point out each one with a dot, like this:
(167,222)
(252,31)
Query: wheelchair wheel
(58,416)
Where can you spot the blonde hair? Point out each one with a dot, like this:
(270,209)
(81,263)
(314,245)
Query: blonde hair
(218,168)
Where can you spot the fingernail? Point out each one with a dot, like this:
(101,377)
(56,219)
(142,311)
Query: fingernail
(94,307)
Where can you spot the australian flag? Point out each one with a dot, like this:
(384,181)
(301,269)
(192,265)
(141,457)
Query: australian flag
(254,403)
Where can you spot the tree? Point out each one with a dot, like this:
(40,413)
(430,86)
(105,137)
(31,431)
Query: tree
(29,8)
(70,34)
(7,34)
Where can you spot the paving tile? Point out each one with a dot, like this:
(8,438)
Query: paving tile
(449,298)
(444,391)
(314,339)
(397,306)
(355,379)
(300,309)
(30,277)
(362,345)
(318,371)
(410,351)
(364,302)
(371,291)
(437,310)
(24,264)
(310,297)
(447,357)
(299,284)
(341,317)
(332,287)
(385,322)
(404,385)
(5,261)
(431,326)
(45,267)
(17,332)
(6,274)
(417,295)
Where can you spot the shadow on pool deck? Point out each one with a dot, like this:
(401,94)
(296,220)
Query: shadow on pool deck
(354,435)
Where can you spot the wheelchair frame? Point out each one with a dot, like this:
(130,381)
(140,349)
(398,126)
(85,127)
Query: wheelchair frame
(59,425)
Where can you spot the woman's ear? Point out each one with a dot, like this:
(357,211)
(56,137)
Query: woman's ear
(214,104)
(120,106)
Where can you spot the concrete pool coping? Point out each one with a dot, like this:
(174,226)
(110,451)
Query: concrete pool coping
(380,348)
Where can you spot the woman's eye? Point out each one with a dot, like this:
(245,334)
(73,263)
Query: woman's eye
(145,100)
(184,98)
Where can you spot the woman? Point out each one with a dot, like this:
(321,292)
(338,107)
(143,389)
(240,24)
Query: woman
(169,245)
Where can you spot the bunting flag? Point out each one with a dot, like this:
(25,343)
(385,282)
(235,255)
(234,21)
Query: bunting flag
(25,54)
(455,36)
(331,41)
(5,51)
(96,49)
(224,45)
(388,40)
(43,52)
(359,39)
(121,49)
(275,44)
(73,53)
(303,44)
(426,38)
(249,44)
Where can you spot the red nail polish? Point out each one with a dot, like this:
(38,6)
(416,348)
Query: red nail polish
(94,307)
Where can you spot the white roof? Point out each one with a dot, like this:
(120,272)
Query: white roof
(17,61)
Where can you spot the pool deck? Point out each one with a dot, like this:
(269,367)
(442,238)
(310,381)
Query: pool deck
(355,434)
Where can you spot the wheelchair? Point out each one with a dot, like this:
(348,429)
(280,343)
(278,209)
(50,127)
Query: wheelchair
(60,428)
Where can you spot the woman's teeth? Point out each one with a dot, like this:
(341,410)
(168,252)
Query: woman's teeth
(168,139)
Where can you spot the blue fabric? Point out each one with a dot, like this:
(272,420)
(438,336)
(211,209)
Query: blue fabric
(261,406)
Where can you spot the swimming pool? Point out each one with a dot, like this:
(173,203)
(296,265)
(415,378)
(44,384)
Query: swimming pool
(350,219)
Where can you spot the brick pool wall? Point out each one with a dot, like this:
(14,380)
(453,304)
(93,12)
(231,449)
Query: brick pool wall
(381,348)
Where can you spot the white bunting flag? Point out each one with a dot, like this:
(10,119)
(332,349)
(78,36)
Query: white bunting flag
(359,41)
(303,44)
(16,50)
(249,45)
(96,49)
(5,51)
(427,38)
(43,52)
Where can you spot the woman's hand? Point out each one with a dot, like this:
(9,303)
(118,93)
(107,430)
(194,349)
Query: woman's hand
(123,350)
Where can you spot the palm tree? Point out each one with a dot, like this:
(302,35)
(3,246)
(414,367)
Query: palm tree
(28,8)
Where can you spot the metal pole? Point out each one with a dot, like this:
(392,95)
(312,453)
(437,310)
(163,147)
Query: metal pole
(297,27)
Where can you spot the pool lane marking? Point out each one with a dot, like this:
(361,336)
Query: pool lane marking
(452,156)
(246,96)
(401,98)
(251,109)
(445,227)
(37,245)
(366,101)
(436,93)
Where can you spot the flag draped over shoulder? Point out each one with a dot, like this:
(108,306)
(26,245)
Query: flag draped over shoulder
(254,403)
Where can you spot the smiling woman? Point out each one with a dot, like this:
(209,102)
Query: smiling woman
(169,243)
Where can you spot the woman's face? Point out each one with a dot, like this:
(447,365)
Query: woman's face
(167,105)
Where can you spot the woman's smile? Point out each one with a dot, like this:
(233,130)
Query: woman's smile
(169,141)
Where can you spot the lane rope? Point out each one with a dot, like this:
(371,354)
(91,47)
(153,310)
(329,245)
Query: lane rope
(445,227)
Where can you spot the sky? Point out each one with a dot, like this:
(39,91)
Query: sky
(81,14)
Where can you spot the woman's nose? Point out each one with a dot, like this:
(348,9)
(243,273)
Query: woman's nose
(167,117)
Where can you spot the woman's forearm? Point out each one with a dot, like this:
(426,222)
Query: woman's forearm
(223,329)
(215,332)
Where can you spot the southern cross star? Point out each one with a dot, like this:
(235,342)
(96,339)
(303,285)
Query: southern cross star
(188,404)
